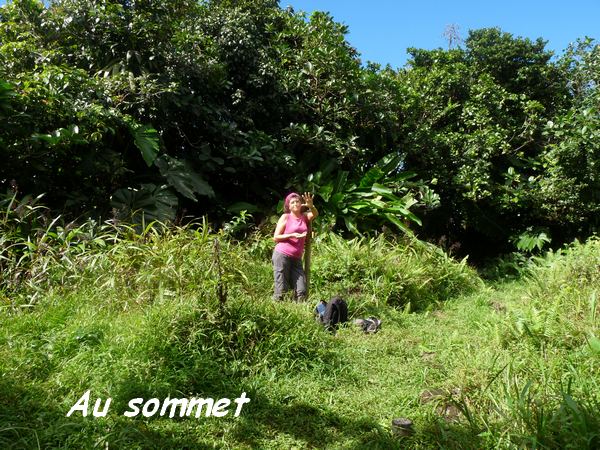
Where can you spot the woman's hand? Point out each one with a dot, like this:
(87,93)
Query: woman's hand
(298,235)
(308,200)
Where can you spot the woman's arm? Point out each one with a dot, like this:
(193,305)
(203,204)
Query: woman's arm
(278,236)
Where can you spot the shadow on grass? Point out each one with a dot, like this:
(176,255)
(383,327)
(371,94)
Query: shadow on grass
(316,426)
(452,436)
(29,419)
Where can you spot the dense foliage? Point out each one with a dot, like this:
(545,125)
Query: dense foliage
(501,130)
(112,108)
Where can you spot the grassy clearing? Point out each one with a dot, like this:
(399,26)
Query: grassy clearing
(472,365)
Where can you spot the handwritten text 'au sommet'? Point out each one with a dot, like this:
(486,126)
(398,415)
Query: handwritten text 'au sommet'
(169,406)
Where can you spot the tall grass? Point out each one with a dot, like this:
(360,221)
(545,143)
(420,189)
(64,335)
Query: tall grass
(407,273)
(546,394)
(131,312)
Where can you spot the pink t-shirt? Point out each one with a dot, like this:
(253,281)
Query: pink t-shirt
(293,246)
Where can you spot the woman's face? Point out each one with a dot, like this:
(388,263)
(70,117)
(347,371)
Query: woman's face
(295,204)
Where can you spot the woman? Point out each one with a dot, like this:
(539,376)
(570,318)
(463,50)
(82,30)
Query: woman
(290,234)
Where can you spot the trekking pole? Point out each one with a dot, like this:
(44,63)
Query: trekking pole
(307,249)
(221,290)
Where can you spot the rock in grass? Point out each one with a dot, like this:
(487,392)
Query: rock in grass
(402,427)
(369,325)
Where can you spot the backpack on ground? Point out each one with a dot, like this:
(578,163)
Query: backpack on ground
(332,313)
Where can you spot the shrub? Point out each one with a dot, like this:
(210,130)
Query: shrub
(407,273)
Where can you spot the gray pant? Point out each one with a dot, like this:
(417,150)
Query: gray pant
(288,274)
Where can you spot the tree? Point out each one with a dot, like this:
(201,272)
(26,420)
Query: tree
(186,105)
(473,122)
(569,187)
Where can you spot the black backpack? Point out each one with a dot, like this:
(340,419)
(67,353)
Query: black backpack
(336,312)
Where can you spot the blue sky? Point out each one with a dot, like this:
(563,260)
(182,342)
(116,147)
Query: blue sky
(382,30)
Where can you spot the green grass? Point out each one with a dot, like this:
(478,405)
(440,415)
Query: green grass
(473,365)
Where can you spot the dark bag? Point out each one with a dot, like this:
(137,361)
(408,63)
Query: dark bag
(336,312)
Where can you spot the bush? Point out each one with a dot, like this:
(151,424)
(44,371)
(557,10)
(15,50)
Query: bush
(407,273)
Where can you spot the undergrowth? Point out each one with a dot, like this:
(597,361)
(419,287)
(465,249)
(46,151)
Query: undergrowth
(135,312)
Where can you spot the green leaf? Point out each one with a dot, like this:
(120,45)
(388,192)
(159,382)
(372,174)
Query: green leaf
(340,181)
(377,203)
(393,219)
(6,93)
(183,178)
(374,174)
(326,191)
(364,194)
(381,189)
(236,208)
(147,141)
(389,163)
(357,206)
(351,225)
(337,200)
(404,176)
(594,344)
(571,403)
(66,136)
(414,218)
(144,204)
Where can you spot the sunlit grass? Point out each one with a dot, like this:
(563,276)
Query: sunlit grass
(472,365)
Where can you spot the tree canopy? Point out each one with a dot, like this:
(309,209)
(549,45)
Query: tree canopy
(121,107)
